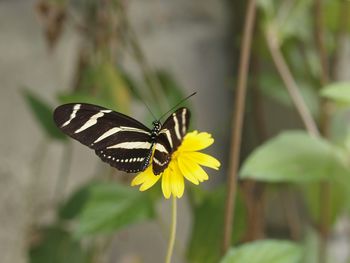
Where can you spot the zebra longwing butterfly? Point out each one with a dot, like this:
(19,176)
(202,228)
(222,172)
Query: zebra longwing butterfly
(120,140)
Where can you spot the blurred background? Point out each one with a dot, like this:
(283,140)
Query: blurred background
(59,203)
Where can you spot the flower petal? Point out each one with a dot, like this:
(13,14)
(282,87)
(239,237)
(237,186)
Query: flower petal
(166,183)
(193,168)
(177,182)
(186,171)
(151,180)
(141,177)
(185,163)
(203,159)
(146,178)
(195,141)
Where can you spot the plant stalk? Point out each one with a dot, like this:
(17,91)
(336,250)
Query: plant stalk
(254,191)
(325,187)
(237,123)
(340,38)
(289,82)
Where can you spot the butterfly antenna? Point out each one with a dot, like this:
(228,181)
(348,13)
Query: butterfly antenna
(148,108)
(182,101)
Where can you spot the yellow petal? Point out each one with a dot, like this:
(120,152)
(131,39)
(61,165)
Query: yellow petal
(146,179)
(195,141)
(186,171)
(177,182)
(203,159)
(193,168)
(151,180)
(141,177)
(166,186)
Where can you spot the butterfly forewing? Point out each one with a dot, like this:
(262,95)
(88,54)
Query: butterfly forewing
(170,138)
(121,141)
(117,139)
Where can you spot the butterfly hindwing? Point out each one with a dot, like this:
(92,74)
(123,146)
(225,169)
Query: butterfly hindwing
(126,159)
(121,141)
(170,138)
(117,139)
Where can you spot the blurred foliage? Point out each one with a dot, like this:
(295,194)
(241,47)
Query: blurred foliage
(338,92)
(43,114)
(74,204)
(340,199)
(111,207)
(266,251)
(208,213)
(294,157)
(56,245)
(103,82)
(292,160)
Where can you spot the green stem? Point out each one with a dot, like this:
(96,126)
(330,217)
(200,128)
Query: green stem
(172,231)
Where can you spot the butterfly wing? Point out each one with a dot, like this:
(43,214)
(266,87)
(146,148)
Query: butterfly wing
(117,139)
(170,138)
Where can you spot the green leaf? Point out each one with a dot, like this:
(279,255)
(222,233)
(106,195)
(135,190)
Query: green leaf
(56,246)
(338,92)
(43,114)
(287,16)
(273,87)
(334,10)
(206,236)
(265,251)
(338,198)
(111,206)
(293,157)
(73,206)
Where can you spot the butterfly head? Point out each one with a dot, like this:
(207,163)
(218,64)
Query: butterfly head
(156,128)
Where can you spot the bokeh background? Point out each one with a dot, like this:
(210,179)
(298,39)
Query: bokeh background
(122,54)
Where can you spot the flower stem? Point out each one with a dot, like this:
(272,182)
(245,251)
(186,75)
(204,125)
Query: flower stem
(172,231)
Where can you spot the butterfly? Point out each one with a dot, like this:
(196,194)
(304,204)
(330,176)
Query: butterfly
(121,141)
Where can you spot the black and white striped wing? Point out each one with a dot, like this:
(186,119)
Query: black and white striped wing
(170,138)
(117,139)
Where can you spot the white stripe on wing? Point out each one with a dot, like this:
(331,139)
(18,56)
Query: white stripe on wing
(108,133)
(177,128)
(73,115)
(131,145)
(92,121)
(168,135)
(183,121)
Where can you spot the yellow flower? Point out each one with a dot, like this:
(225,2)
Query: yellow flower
(185,162)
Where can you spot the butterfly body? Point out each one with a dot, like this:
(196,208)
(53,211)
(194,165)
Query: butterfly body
(120,140)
